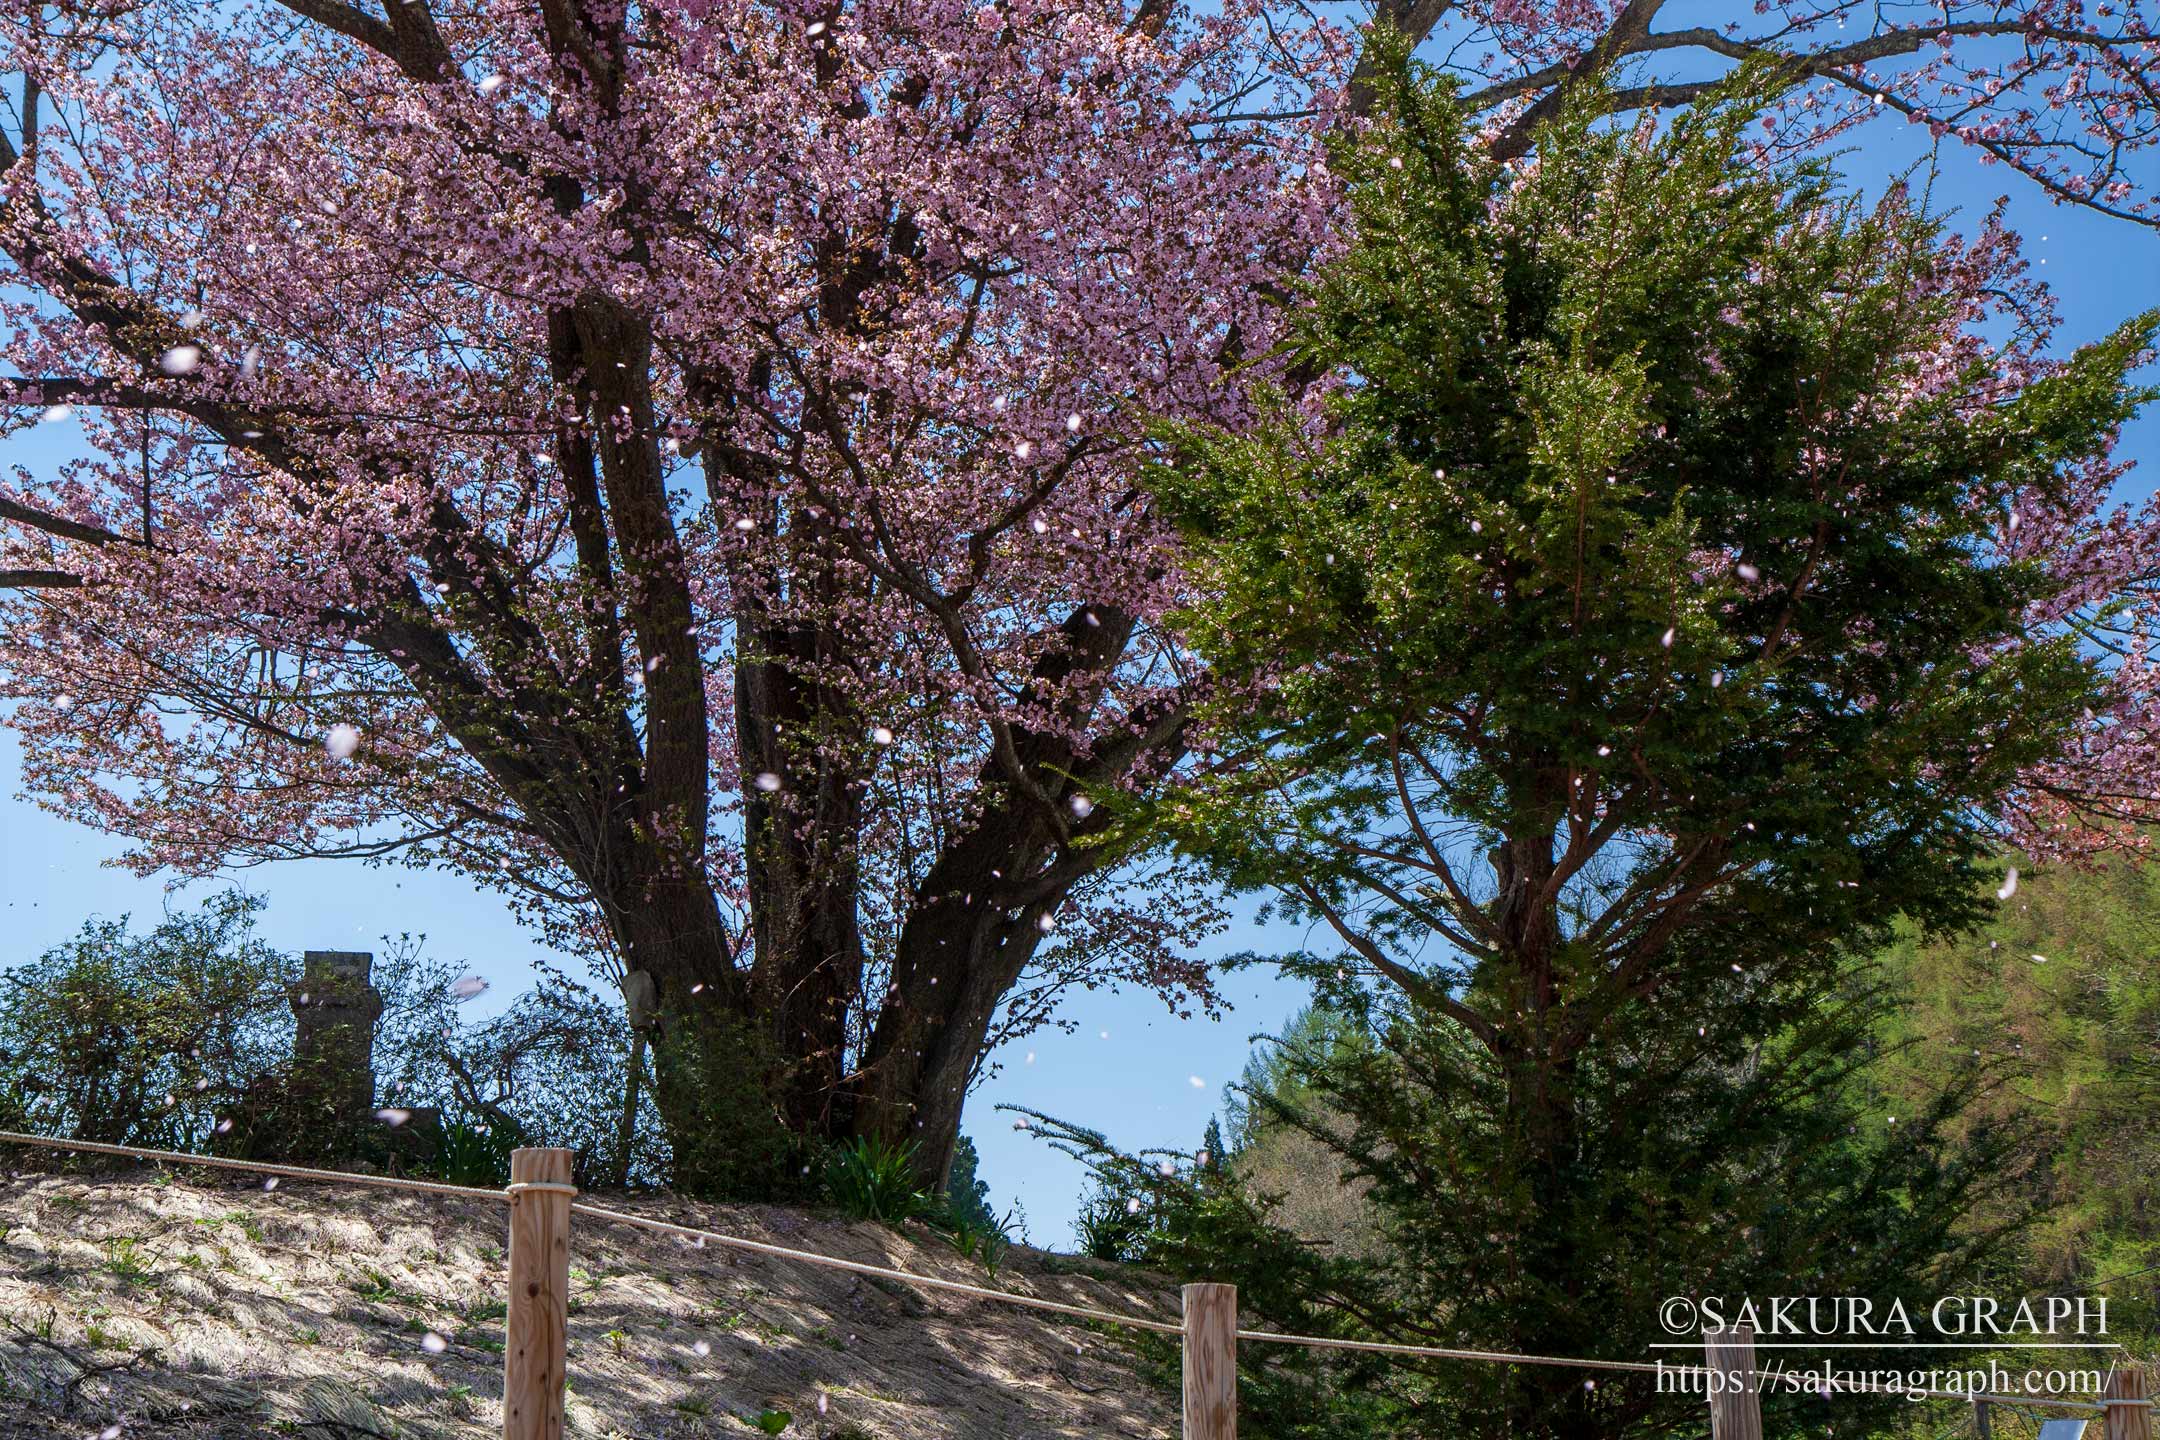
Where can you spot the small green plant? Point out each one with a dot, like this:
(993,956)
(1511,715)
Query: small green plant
(872,1179)
(696,1405)
(618,1340)
(126,1261)
(974,1240)
(475,1152)
(772,1422)
(247,1223)
(379,1289)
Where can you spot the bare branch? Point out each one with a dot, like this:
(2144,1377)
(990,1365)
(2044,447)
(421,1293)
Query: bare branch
(38,580)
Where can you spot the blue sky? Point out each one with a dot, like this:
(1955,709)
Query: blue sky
(1127,1067)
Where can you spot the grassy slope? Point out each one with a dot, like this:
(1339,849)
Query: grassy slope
(233,1311)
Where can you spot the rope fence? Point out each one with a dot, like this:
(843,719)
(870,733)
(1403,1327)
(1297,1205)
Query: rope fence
(259,1167)
(857,1267)
(542,1200)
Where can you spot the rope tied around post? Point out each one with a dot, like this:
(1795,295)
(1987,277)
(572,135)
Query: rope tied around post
(544,1187)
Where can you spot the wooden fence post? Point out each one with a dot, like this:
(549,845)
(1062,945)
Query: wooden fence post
(1211,1362)
(2127,1422)
(1983,1422)
(539,1316)
(1735,1408)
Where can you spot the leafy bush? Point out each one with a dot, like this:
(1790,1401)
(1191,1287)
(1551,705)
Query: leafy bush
(144,1039)
(556,1068)
(872,1179)
(1114,1219)
(741,1149)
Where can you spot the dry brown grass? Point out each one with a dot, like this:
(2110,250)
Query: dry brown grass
(183,1307)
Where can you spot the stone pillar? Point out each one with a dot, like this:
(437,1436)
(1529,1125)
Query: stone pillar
(334,1015)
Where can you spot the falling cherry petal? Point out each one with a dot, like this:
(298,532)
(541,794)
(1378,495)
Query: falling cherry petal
(181,360)
(465,987)
(342,741)
(767,781)
(433,1343)
(2009,887)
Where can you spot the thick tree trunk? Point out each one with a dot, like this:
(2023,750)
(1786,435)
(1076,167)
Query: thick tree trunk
(1542,1115)
(803,869)
(978,916)
(958,955)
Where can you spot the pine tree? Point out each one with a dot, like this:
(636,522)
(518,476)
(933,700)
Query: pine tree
(1630,636)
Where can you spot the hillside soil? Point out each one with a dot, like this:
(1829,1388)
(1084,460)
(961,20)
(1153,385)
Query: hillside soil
(190,1306)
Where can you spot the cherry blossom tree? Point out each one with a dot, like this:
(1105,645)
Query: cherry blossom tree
(403,347)
(676,463)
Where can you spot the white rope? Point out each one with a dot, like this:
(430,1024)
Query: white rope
(289,1172)
(925,1282)
(1645,1367)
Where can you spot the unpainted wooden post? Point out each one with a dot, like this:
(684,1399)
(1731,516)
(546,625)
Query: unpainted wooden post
(538,1318)
(1735,1407)
(1211,1362)
(2127,1421)
(1983,1423)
